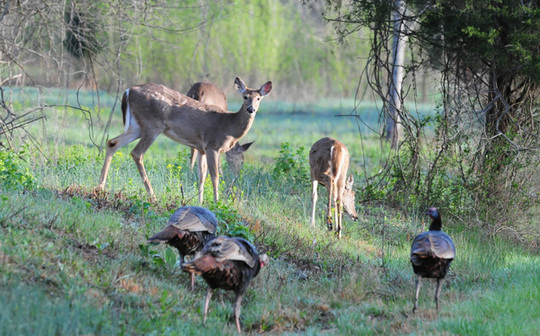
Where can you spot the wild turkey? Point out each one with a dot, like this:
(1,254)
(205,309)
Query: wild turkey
(229,263)
(431,255)
(188,230)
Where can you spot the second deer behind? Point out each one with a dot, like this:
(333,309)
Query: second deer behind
(329,163)
(210,94)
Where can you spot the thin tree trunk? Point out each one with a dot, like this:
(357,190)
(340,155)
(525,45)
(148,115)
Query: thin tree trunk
(394,131)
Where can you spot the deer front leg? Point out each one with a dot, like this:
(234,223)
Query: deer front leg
(203,169)
(314,184)
(212,158)
(138,153)
(114,145)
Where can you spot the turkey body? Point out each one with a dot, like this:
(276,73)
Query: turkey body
(188,230)
(432,252)
(228,263)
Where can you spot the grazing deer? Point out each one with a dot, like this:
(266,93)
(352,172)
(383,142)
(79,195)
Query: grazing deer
(210,94)
(152,109)
(329,162)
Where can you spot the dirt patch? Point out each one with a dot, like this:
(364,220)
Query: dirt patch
(119,201)
(98,198)
(91,252)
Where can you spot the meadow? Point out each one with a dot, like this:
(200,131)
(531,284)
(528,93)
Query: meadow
(76,262)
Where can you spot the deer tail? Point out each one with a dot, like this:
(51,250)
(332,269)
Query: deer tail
(126,113)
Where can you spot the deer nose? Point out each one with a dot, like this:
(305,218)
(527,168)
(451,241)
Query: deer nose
(250,109)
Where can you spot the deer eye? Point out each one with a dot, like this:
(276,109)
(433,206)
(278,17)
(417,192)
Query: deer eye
(245,97)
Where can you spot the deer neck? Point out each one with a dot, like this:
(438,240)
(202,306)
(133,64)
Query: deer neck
(242,122)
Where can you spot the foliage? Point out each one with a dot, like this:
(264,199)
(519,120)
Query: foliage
(15,170)
(291,166)
(230,223)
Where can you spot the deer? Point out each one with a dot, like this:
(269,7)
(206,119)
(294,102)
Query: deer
(210,94)
(152,109)
(329,163)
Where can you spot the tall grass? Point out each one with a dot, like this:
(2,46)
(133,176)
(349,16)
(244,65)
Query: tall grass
(82,258)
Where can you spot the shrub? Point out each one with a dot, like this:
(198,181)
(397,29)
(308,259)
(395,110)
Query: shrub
(14,169)
(292,167)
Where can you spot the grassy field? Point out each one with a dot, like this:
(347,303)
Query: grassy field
(73,262)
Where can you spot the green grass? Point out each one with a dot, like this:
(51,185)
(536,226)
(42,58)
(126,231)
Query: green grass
(76,263)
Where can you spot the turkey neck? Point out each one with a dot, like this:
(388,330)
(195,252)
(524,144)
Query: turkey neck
(436,224)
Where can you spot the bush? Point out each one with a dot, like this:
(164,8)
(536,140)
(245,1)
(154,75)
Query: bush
(14,169)
(292,167)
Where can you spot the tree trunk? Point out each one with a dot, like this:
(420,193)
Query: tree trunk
(394,131)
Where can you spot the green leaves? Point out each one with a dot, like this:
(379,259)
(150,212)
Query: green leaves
(292,166)
(14,170)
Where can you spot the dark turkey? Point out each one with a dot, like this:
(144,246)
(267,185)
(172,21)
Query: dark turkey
(431,255)
(188,230)
(229,263)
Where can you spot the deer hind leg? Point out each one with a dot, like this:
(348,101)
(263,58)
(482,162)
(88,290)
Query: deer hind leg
(114,145)
(314,184)
(138,153)
(329,211)
(339,209)
(212,158)
(339,217)
(203,169)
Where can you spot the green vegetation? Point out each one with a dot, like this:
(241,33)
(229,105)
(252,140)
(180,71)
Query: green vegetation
(82,256)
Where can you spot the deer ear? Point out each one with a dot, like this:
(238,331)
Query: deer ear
(245,146)
(240,85)
(266,88)
(350,182)
(241,148)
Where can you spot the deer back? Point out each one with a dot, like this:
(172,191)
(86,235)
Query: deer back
(209,94)
(329,161)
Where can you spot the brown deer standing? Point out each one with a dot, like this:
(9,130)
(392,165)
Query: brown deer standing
(152,109)
(210,94)
(329,162)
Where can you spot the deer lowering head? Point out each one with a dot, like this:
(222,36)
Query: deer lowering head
(152,109)
(210,94)
(329,163)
